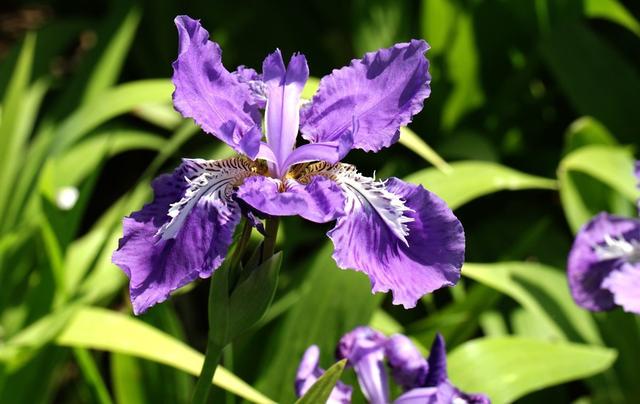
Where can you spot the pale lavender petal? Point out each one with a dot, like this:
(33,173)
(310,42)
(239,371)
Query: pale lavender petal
(586,269)
(408,367)
(309,372)
(364,349)
(205,91)
(282,116)
(411,248)
(637,173)
(382,91)
(200,237)
(319,201)
(625,286)
(328,151)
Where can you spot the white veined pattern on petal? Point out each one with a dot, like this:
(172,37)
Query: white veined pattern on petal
(365,193)
(208,181)
(618,247)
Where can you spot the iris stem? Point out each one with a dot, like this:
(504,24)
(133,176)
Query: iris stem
(211,360)
(271,233)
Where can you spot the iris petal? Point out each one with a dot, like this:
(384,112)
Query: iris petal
(184,234)
(625,286)
(205,91)
(405,239)
(382,91)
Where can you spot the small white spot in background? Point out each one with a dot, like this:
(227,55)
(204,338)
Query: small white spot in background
(67,197)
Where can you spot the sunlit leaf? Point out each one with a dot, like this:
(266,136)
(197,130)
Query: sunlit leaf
(469,180)
(321,389)
(508,368)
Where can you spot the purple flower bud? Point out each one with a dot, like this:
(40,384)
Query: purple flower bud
(408,367)
(309,372)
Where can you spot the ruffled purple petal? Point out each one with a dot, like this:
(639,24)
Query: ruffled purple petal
(624,284)
(408,367)
(309,372)
(205,91)
(257,87)
(282,116)
(586,269)
(364,349)
(200,237)
(422,395)
(411,248)
(319,201)
(382,91)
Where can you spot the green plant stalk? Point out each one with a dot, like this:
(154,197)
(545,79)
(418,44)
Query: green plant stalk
(216,342)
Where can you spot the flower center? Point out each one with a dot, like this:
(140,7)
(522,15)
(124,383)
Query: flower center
(615,247)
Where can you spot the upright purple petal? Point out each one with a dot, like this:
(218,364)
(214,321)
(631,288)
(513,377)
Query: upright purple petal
(588,264)
(624,284)
(205,91)
(437,363)
(319,201)
(309,372)
(408,367)
(284,86)
(402,236)
(184,234)
(422,395)
(382,91)
(364,348)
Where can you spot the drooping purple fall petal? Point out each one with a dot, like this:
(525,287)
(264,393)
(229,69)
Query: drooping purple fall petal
(309,372)
(207,92)
(319,201)
(182,235)
(382,91)
(598,250)
(411,248)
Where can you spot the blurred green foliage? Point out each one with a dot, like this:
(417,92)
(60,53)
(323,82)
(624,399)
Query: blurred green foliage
(535,96)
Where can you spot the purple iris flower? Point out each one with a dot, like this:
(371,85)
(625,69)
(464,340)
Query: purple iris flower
(423,380)
(402,236)
(604,263)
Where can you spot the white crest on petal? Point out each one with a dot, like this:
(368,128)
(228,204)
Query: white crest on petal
(366,193)
(209,181)
(615,247)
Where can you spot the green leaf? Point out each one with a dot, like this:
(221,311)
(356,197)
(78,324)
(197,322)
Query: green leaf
(541,290)
(321,389)
(612,10)
(576,55)
(610,165)
(102,329)
(106,71)
(13,104)
(111,103)
(413,142)
(587,131)
(250,300)
(127,380)
(508,368)
(469,180)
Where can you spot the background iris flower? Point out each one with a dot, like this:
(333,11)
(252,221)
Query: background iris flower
(402,236)
(604,262)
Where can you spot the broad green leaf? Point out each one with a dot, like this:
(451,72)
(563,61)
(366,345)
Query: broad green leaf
(576,56)
(332,302)
(610,165)
(107,69)
(102,329)
(162,115)
(541,290)
(321,389)
(587,131)
(469,180)
(508,368)
(310,88)
(111,103)
(413,142)
(127,380)
(612,10)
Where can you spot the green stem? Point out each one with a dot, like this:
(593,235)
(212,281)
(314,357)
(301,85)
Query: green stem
(211,360)
(269,244)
